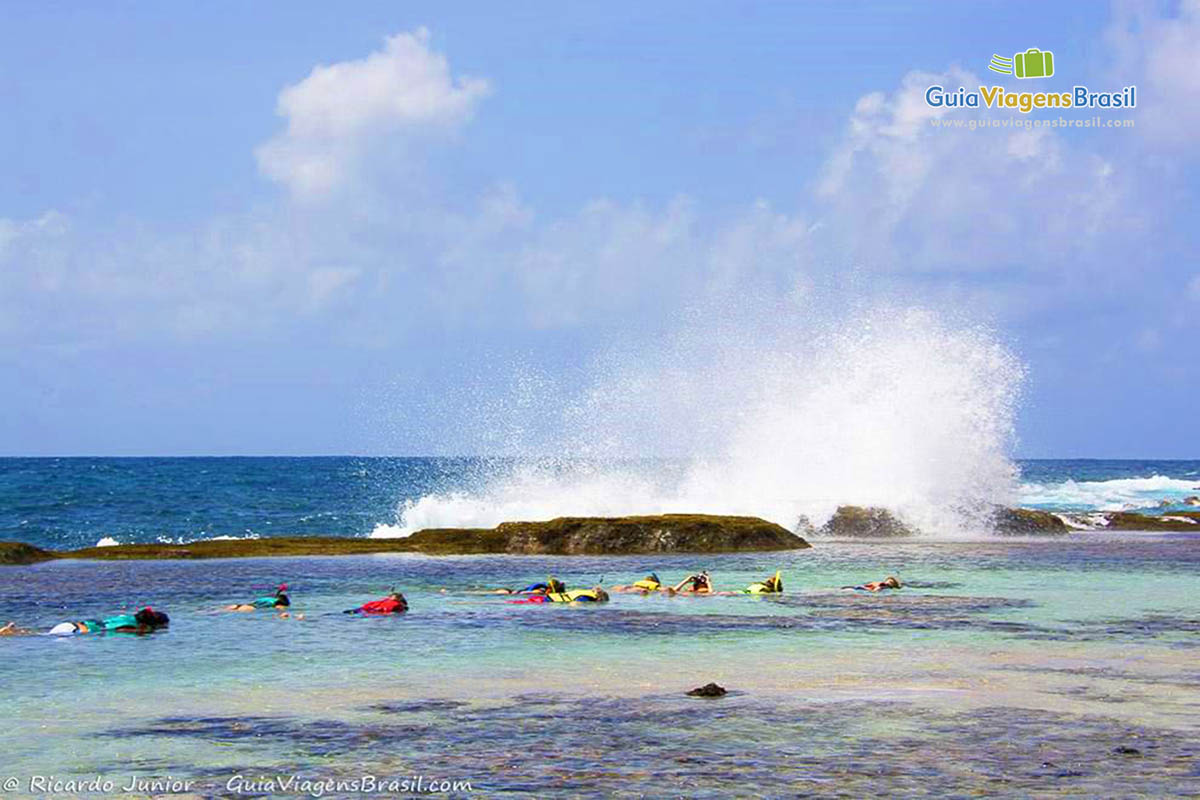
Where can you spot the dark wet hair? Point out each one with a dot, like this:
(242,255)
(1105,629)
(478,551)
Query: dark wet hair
(154,619)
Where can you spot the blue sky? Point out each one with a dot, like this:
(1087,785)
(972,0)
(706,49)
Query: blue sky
(207,247)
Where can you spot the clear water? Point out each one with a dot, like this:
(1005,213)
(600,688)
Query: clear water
(1012,668)
(1004,668)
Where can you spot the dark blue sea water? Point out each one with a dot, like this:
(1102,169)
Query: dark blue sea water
(76,502)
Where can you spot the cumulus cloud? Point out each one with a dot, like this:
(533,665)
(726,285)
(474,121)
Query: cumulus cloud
(901,193)
(338,111)
(1162,55)
(897,200)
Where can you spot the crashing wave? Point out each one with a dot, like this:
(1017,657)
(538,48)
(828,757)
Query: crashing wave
(892,408)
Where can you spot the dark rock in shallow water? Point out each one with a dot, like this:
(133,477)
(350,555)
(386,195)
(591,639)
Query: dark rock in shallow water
(1027,522)
(667,533)
(1126,750)
(1170,521)
(708,690)
(21,553)
(868,522)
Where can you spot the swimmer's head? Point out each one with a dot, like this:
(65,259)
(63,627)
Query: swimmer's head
(151,618)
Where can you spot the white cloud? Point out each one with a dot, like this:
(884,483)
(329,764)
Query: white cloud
(898,200)
(51,224)
(900,193)
(1162,56)
(339,110)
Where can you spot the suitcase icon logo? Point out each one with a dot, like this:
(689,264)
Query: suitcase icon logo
(1033,63)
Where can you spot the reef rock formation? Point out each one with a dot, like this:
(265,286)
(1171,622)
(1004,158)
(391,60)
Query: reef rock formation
(1027,522)
(1168,521)
(868,522)
(666,533)
(21,553)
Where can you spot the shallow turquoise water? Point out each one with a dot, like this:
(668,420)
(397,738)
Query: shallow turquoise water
(1093,634)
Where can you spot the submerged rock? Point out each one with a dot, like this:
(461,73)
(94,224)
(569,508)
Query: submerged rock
(868,522)
(1027,522)
(21,553)
(708,690)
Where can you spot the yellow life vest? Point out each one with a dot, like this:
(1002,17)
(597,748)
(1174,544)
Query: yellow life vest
(773,585)
(648,584)
(573,596)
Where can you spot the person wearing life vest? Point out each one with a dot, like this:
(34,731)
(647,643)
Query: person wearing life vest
(772,585)
(890,582)
(394,603)
(697,584)
(552,584)
(594,595)
(145,621)
(650,583)
(279,600)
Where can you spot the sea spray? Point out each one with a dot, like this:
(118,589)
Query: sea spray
(778,416)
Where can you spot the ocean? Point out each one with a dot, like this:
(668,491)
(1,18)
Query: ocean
(67,503)
(1045,667)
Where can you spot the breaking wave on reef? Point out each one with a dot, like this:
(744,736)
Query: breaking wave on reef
(1118,494)
(774,416)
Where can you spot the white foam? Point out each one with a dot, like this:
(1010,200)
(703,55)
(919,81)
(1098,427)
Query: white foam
(772,417)
(1119,494)
(107,541)
(223,538)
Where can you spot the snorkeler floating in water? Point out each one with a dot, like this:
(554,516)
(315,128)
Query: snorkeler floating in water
(700,584)
(772,585)
(650,583)
(562,595)
(145,621)
(11,629)
(890,582)
(279,600)
(394,603)
(551,585)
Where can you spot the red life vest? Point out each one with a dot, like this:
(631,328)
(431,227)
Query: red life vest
(387,605)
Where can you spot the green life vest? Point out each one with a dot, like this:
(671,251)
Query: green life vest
(119,621)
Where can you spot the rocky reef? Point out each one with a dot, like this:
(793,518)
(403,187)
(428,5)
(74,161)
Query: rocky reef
(663,533)
(21,553)
(667,533)
(870,522)
(865,522)
(1130,521)
(1027,522)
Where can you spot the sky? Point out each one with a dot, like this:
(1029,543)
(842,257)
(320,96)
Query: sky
(302,228)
